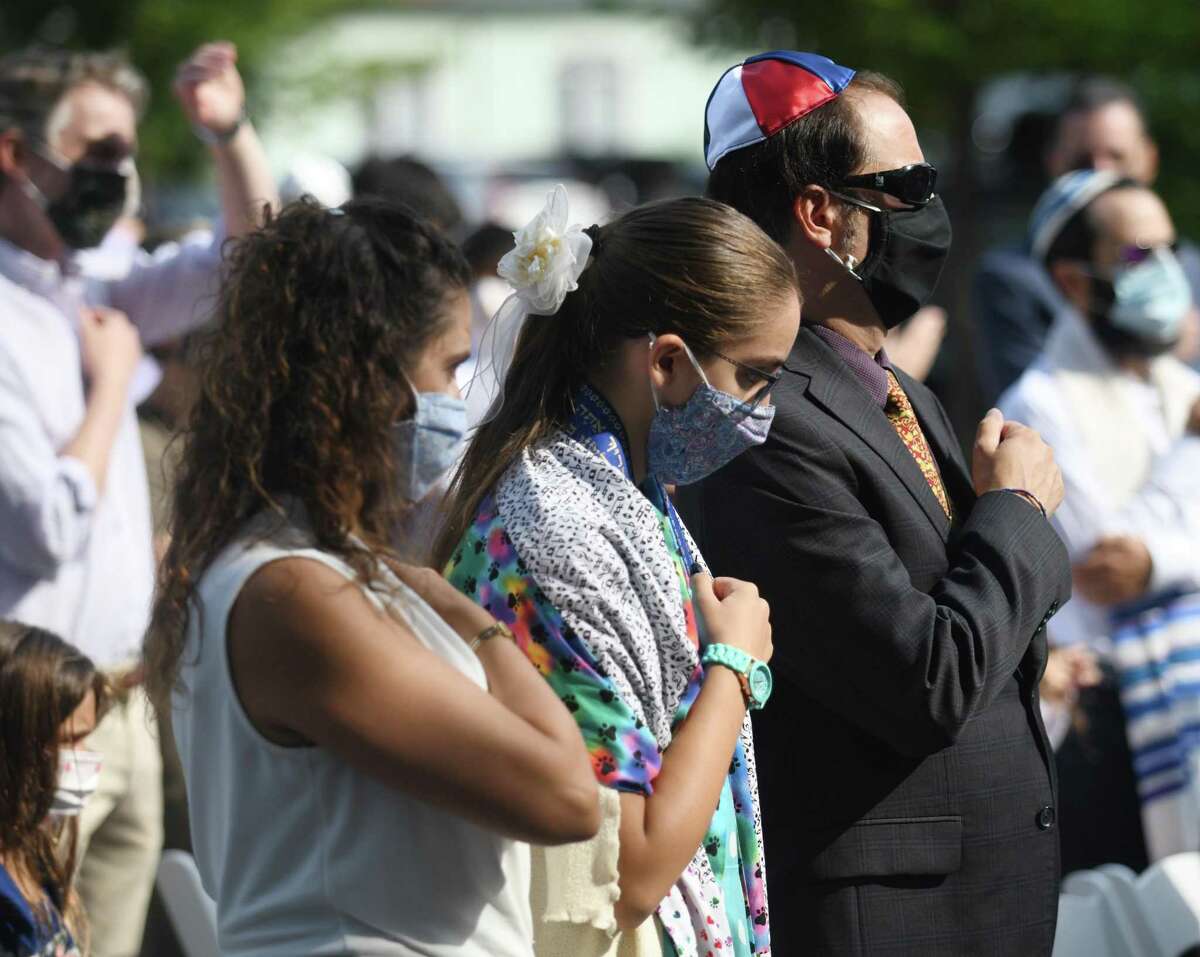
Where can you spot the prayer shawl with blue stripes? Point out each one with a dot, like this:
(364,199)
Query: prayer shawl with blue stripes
(1156,648)
(1156,639)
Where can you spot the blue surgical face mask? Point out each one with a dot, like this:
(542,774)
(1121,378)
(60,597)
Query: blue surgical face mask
(428,445)
(706,432)
(1149,303)
(1152,298)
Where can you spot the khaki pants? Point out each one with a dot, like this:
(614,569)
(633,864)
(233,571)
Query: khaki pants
(121,828)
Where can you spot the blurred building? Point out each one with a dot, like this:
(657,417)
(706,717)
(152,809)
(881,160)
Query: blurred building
(481,89)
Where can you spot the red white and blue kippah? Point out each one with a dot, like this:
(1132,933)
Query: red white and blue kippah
(760,96)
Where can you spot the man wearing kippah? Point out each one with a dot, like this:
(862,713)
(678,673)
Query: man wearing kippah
(907,783)
(1124,417)
(1103,126)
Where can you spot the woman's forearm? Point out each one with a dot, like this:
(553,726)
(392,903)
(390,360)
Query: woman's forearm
(660,833)
(515,683)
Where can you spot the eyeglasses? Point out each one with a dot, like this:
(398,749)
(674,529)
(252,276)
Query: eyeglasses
(760,375)
(913,184)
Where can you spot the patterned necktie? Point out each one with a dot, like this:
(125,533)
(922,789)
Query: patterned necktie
(900,413)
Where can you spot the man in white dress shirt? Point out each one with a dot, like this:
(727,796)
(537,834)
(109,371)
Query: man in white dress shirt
(75,535)
(1122,416)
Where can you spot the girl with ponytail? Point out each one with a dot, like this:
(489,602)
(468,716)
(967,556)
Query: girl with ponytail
(644,354)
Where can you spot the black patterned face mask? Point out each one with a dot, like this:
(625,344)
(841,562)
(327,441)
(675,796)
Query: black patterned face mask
(95,198)
(908,250)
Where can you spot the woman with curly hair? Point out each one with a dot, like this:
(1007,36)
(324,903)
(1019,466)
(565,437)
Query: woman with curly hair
(365,750)
(50,699)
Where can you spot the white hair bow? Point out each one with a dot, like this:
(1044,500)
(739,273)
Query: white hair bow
(544,266)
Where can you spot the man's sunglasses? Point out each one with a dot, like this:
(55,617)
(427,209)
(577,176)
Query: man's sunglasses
(913,184)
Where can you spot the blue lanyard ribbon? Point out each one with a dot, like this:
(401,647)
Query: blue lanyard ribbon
(597,424)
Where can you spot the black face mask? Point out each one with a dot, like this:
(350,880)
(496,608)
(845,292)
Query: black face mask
(93,202)
(95,198)
(908,250)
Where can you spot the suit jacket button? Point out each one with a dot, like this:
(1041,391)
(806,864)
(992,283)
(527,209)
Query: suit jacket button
(1046,818)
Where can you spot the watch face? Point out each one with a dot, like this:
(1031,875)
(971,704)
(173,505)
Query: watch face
(761,683)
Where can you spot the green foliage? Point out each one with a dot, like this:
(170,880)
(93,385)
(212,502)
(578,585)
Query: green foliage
(157,35)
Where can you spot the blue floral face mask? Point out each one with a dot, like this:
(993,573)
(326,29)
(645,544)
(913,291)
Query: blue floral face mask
(428,445)
(706,432)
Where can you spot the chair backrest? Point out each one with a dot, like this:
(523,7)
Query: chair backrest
(1124,934)
(1169,893)
(1085,927)
(1122,885)
(193,913)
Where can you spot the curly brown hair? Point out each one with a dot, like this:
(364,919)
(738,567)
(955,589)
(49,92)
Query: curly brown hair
(321,315)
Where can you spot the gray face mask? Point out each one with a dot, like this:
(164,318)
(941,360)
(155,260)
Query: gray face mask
(429,444)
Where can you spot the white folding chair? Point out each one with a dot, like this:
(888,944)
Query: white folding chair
(1086,927)
(193,913)
(1120,929)
(1122,885)
(1169,893)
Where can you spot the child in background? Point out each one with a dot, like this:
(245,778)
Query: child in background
(50,698)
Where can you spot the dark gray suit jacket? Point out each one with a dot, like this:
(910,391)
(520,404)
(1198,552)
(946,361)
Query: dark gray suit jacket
(907,783)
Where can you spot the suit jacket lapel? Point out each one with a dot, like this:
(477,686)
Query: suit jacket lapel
(833,387)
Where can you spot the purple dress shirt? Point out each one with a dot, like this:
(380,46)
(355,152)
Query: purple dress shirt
(871,371)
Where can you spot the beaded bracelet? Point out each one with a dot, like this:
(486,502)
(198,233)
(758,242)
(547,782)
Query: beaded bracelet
(1029,497)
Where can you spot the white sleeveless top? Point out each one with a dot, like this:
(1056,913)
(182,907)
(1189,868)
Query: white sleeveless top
(306,855)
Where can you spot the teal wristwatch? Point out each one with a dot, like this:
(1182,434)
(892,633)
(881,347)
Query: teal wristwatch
(754,675)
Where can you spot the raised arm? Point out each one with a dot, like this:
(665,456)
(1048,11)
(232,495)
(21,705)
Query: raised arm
(173,292)
(213,98)
(314,661)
